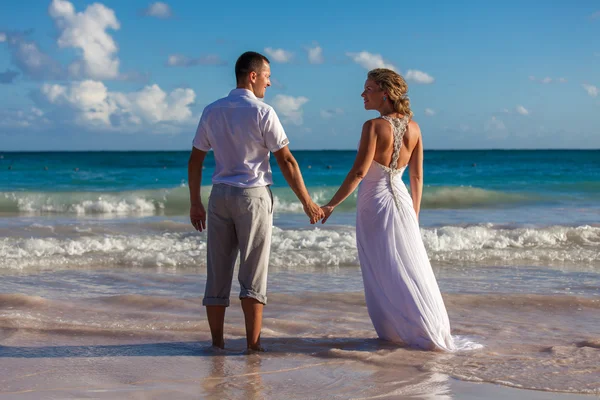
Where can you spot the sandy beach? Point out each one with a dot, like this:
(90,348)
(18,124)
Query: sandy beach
(319,346)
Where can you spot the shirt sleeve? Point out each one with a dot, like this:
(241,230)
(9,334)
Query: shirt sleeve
(201,141)
(273,132)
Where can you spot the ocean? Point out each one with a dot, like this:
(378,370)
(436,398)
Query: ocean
(98,262)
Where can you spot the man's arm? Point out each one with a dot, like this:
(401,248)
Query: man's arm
(291,172)
(197,211)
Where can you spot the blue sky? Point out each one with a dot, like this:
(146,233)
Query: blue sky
(135,75)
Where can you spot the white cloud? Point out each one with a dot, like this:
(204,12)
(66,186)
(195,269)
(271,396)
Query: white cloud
(279,55)
(158,10)
(547,80)
(590,89)
(179,60)
(370,61)
(3,37)
(31,118)
(275,82)
(315,55)
(29,58)
(90,104)
(494,124)
(522,110)
(595,15)
(429,112)
(419,77)
(326,114)
(86,31)
(290,107)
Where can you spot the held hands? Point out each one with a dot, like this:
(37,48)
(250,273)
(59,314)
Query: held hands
(314,212)
(198,217)
(327,211)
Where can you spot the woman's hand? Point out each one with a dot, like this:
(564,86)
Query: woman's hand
(327,210)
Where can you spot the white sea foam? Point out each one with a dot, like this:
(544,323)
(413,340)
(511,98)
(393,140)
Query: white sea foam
(315,248)
(176,200)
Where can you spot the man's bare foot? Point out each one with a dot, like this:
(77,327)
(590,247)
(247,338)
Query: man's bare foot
(255,349)
(219,345)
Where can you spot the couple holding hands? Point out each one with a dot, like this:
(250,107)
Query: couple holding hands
(402,295)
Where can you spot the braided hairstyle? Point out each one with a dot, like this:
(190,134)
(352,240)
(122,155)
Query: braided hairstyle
(395,86)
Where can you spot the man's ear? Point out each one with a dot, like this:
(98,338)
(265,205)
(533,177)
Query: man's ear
(253,75)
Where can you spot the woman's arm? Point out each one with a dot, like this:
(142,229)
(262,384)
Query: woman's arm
(415,166)
(362,163)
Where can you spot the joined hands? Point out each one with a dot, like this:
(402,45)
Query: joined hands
(316,213)
(327,211)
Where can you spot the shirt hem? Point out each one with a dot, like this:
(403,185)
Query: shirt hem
(276,149)
(201,149)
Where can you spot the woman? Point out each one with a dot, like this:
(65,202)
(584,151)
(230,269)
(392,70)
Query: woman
(403,298)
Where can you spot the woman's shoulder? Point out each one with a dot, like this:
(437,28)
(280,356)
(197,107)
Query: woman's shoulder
(413,129)
(382,125)
(377,123)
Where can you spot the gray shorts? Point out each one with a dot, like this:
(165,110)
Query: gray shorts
(240,220)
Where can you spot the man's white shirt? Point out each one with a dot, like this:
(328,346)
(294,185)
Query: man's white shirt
(242,131)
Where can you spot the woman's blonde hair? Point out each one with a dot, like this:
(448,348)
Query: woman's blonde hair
(395,86)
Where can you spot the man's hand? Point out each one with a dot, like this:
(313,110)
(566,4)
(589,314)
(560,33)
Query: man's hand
(313,212)
(327,211)
(198,217)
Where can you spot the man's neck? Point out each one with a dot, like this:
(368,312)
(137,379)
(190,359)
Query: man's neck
(247,87)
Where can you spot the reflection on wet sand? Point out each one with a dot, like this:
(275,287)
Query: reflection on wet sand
(225,382)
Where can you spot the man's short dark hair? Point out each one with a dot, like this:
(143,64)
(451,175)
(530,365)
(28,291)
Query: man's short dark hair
(250,61)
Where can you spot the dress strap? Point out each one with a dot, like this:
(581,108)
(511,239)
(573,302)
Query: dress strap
(399,127)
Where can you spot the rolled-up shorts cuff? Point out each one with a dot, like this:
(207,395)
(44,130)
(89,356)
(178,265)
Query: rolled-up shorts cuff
(215,301)
(251,294)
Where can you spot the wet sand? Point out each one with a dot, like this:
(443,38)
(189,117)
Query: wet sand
(320,346)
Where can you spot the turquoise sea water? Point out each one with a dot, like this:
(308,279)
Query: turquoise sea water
(154,182)
(97,246)
(479,207)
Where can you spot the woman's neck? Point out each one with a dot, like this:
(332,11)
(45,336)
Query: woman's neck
(387,110)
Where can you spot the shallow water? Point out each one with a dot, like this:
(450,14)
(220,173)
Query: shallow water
(534,341)
(101,280)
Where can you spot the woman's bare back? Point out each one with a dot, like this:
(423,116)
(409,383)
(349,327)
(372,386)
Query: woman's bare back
(385,142)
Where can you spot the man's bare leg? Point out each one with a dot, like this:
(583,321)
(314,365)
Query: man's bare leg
(216,321)
(253,313)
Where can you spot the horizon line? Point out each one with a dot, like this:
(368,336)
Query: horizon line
(293,150)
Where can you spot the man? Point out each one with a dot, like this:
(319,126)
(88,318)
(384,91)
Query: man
(242,131)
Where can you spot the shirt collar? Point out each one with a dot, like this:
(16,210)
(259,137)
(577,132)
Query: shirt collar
(242,92)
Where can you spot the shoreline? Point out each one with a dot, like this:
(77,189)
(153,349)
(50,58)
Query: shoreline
(238,376)
(122,345)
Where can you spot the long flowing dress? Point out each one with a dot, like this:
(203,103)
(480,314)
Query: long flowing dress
(402,294)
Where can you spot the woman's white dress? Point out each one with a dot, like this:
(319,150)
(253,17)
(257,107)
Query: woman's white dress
(402,294)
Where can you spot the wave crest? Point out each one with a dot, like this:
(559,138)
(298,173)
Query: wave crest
(175,201)
(479,245)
